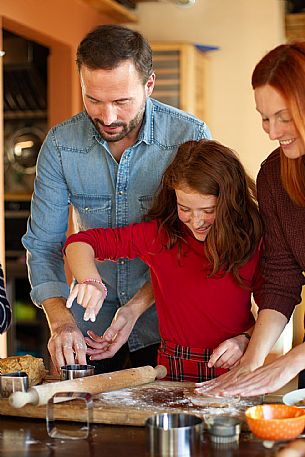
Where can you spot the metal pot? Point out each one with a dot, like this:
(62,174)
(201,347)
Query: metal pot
(23,148)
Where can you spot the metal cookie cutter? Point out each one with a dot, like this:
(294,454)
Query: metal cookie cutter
(13,382)
(72,430)
(75,371)
(223,429)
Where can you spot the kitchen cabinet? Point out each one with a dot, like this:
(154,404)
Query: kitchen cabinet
(182,76)
(295,26)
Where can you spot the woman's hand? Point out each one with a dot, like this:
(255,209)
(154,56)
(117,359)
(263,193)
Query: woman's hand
(229,352)
(262,380)
(90,296)
(218,385)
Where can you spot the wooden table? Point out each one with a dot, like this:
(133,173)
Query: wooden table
(28,438)
(26,435)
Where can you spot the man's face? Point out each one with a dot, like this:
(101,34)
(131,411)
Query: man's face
(115,100)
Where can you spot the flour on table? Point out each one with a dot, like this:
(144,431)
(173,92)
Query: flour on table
(160,398)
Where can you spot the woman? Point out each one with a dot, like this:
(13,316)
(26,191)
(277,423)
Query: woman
(5,308)
(278,81)
(201,240)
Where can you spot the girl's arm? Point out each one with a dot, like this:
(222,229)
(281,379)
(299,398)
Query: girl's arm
(81,260)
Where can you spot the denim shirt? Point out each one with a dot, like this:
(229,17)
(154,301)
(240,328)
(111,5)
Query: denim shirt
(76,168)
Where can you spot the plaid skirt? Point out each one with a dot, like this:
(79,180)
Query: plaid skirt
(186,363)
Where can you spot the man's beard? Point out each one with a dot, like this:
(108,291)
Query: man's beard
(126,128)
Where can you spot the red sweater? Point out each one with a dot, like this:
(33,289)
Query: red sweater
(193,310)
(283,261)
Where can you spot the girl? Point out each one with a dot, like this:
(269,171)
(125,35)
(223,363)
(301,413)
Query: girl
(201,240)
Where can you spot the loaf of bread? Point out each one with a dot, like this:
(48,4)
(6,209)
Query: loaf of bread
(33,366)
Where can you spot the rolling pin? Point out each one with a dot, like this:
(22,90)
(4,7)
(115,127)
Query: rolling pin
(106,382)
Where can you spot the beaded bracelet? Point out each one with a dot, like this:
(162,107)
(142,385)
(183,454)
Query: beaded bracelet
(96,281)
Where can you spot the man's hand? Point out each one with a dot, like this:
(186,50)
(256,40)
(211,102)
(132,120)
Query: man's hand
(229,352)
(66,344)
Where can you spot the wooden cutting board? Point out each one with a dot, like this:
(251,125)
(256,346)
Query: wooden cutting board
(132,406)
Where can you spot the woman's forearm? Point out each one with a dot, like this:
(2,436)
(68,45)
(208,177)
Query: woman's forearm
(267,329)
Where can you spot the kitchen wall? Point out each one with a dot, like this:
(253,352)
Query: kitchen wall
(244,30)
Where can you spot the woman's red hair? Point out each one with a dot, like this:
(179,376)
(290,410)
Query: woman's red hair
(283,68)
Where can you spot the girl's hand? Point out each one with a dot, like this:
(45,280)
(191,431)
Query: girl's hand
(229,352)
(107,345)
(89,295)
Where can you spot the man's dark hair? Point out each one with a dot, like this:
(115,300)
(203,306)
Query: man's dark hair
(107,46)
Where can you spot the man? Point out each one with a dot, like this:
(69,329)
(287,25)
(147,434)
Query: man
(106,163)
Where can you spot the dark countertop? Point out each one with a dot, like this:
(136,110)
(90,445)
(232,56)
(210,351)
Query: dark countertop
(29,437)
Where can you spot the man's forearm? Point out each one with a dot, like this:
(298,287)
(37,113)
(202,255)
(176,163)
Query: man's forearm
(268,328)
(56,312)
(142,300)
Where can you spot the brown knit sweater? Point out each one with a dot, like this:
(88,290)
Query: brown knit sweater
(283,262)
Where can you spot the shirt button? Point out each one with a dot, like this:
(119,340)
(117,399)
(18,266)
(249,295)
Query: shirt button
(123,293)
(122,262)
(86,209)
(121,192)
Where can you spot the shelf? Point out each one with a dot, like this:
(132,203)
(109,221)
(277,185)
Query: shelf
(116,12)
(295,26)
(17,196)
(16,115)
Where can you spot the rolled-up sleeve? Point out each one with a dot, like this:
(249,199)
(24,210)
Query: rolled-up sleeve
(47,226)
